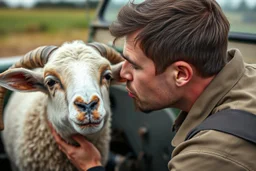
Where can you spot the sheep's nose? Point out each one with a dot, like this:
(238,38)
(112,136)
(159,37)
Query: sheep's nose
(87,107)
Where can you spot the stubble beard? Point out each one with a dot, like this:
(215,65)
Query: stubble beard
(140,107)
(146,108)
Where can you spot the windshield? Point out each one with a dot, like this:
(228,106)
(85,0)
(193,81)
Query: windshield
(113,8)
(240,13)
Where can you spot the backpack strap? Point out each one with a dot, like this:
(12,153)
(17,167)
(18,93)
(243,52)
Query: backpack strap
(239,123)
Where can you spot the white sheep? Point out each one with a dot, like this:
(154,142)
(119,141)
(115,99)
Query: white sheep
(71,92)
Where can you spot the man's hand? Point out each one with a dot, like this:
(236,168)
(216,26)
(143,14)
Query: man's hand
(84,157)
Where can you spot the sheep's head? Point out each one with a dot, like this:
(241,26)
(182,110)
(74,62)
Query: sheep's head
(76,78)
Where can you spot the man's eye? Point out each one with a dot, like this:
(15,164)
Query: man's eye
(134,67)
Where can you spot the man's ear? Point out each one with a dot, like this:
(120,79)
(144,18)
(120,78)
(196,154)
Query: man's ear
(116,73)
(183,73)
(23,80)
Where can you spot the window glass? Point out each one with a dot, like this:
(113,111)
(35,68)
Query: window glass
(113,8)
(241,15)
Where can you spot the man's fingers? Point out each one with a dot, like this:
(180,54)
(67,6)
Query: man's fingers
(80,139)
(63,146)
(54,133)
(50,126)
(83,142)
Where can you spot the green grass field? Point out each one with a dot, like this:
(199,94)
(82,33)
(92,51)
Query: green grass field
(36,27)
(22,30)
(242,22)
(42,20)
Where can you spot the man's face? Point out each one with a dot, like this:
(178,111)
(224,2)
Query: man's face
(149,91)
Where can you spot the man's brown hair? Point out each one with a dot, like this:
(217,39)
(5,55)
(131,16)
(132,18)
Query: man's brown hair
(195,31)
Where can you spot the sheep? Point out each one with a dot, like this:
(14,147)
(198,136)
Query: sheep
(67,86)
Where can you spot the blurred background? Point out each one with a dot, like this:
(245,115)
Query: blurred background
(27,24)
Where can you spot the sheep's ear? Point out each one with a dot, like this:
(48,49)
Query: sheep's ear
(116,73)
(23,80)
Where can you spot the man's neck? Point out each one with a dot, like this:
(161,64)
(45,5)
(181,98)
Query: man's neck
(194,90)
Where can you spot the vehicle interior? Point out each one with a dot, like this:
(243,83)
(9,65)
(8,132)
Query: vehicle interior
(143,141)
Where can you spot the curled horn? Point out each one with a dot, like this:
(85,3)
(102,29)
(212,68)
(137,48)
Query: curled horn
(108,52)
(33,59)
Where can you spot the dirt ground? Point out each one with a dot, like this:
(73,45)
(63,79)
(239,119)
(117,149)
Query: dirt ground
(19,44)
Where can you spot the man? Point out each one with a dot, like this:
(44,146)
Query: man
(176,56)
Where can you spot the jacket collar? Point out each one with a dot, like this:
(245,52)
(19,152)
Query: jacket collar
(207,101)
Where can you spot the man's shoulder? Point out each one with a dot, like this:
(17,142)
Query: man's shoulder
(216,148)
(210,140)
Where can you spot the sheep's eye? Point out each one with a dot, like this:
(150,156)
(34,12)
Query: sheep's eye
(108,75)
(50,81)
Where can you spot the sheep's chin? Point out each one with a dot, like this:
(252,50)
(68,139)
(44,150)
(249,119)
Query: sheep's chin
(88,129)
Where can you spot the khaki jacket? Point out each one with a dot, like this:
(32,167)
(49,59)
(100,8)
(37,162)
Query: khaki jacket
(235,88)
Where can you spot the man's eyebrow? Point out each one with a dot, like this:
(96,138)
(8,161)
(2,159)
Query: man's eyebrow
(129,60)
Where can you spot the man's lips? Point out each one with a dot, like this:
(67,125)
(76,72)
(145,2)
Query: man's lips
(130,93)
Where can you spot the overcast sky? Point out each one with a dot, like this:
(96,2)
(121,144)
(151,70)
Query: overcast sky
(30,3)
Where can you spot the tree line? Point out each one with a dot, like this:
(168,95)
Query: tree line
(60,4)
(243,6)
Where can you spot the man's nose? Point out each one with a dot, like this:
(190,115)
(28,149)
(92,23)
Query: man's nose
(125,71)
